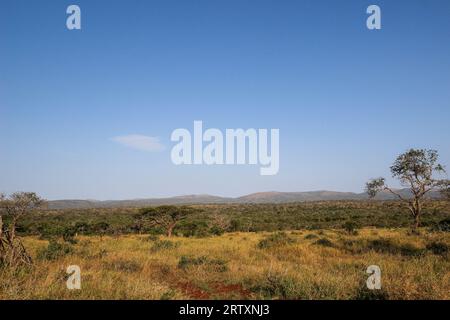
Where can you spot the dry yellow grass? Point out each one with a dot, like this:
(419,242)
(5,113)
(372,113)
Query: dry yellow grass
(126,267)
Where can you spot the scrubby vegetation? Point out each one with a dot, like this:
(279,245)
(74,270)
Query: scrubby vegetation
(237,266)
(317,250)
(163,245)
(212,220)
(216,264)
(325,242)
(54,250)
(275,240)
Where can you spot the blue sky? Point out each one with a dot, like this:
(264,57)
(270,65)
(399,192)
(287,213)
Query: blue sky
(347,100)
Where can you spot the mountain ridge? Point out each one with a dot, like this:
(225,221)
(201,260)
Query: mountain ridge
(258,197)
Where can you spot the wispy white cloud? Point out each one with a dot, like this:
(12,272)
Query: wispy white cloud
(140,142)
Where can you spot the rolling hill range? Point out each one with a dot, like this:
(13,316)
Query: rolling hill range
(260,197)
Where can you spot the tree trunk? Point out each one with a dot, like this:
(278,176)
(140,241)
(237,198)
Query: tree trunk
(170,230)
(417,215)
(2,248)
(416,210)
(12,230)
(1,228)
(417,222)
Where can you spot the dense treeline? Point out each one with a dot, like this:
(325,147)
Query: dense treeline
(216,219)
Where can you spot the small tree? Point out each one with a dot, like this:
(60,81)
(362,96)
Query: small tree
(219,224)
(166,217)
(351,227)
(414,169)
(14,207)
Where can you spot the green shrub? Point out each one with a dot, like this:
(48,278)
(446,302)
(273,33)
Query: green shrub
(186,261)
(438,248)
(49,231)
(350,244)
(275,240)
(324,242)
(389,247)
(54,250)
(152,237)
(311,236)
(195,228)
(168,295)
(350,227)
(216,231)
(122,265)
(100,228)
(284,286)
(382,245)
(163,245)
(443,225)
(69,235)
(235,225)
(411,250)
(277,286)
(215,264)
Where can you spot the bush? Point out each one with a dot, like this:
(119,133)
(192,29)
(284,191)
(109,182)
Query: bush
(324,242)
(235,225)
(275,240)
(350,227)
(382,246)
(215,264)
(163,245)
(100,228)
(387,246)
(277,286)
(443,225)
(284,286)
(69,235)
(438,248)
(216,231)
(152,237)
(122,265)
(54,250)
(168,295)
(186,261)
(411,250)
(195,228)
(48,231)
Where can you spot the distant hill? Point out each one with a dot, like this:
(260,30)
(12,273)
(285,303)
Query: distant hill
(260,197)
(85,204)
(280,197)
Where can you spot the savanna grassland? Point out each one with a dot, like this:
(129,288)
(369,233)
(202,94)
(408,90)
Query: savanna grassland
(322,252)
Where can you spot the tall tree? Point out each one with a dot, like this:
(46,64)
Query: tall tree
(14,208)
(166,217)
(415,169)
